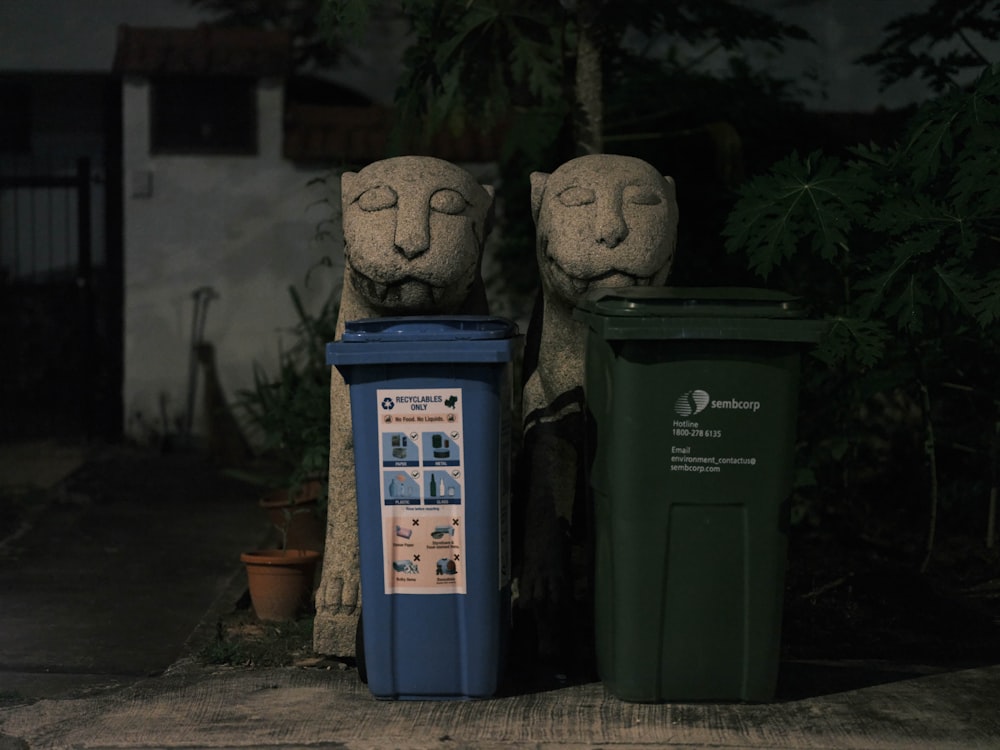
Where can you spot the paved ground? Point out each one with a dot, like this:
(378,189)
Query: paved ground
(104,575)
(107,595)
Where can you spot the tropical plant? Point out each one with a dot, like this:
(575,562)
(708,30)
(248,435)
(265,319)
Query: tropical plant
(940,43)
(290,411)
(299,18)
(898,247)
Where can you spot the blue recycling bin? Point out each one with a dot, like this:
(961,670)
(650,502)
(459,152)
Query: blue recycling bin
(431,404)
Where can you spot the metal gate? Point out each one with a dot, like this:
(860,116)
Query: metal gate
(49,376)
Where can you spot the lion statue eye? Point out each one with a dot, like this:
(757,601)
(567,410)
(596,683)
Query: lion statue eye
(377,198)
(577,196)
(642,195)
(447,201)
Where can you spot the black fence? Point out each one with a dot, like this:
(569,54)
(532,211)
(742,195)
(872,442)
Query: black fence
(48,286)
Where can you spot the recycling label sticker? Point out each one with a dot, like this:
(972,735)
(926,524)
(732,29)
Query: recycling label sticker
(422,460)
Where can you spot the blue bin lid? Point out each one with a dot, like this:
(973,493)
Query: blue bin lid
(424,339)
(429,328)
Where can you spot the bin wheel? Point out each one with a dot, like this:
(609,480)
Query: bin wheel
(359,650)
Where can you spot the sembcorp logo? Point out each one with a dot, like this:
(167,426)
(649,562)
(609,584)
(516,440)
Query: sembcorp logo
(696,401)
(691,403)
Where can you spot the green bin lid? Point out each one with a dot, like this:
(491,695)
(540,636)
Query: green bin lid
(719,313)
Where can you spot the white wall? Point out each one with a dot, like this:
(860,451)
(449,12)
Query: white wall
(242,225)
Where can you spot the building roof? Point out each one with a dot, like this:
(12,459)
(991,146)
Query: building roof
(204,50)
(362,134)
(322,122)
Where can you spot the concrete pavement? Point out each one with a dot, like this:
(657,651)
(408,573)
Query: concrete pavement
(194,706)
(110,567)
(97,644)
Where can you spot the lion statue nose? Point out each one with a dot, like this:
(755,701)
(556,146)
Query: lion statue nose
(410,250)
(611,229)
(412,237)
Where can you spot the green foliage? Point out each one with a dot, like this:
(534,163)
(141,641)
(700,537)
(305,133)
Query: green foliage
(290,412)
(812,202)
(912,229)
(301,19)
(344,19)
(938,43)
(865,340)
(726,24)
(898,247)
(241,640)
(476,66)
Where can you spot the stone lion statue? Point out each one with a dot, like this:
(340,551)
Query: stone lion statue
(601,221)
(414,230)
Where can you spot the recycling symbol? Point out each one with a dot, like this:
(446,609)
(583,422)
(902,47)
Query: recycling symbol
(388,403)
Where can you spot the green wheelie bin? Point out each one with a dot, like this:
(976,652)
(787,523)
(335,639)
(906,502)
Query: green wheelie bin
(694,397)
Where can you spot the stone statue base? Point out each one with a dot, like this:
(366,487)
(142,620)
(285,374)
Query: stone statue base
(336,631)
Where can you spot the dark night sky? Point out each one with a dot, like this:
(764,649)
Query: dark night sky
(63,35)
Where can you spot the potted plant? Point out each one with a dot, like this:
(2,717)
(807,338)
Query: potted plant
(289,416)
(296,513)
(280,581)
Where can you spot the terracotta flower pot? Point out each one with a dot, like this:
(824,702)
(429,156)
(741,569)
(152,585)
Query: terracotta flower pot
(280,581)
(297,516)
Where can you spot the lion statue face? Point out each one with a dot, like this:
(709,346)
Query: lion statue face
(603,221)
(414,229)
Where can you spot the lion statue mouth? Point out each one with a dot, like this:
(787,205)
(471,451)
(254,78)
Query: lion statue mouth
(612,278)
(407,293)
